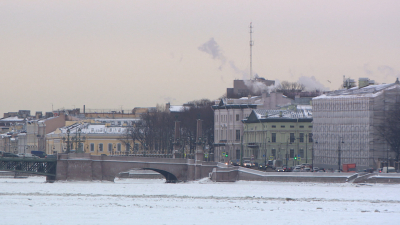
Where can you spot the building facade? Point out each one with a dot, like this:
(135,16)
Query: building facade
(280,135)
(345,126)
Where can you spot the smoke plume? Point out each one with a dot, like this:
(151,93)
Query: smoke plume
(312,84)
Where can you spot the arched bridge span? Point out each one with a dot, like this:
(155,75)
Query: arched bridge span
(77,166)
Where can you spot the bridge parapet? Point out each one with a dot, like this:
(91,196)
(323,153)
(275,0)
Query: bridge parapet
(87,167)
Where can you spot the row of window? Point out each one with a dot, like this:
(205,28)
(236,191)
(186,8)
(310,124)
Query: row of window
(224,118)
(292,138)
(223,136)
(100,147)
(291,126)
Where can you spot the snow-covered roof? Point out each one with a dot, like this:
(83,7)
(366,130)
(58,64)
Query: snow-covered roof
(87,128)
(289,114)
(177,108)
(368,91)
(12,119)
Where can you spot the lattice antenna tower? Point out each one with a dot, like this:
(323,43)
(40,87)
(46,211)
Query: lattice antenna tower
(251,51)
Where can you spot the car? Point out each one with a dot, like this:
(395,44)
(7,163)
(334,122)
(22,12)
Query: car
(306,169)
(279,169)
(388,170)
(51,156)
(261,166)
(27,155)
(235,163)
(247,163)
(10,155)
(297,170)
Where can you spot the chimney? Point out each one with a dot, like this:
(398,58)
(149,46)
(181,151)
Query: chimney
(363,82)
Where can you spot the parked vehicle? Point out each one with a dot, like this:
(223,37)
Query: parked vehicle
(297,170)
(306,169)
(11,155)
(27,155)
(40,154)
(315,169)
(247,163)
(388,170)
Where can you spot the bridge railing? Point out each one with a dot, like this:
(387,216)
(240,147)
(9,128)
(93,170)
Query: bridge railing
(147,155)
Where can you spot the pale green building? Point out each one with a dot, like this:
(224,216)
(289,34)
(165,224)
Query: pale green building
(281,135)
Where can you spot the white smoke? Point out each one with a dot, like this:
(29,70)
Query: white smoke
(312,84)
(212,48)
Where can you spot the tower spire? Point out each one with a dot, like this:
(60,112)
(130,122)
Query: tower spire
(251,51)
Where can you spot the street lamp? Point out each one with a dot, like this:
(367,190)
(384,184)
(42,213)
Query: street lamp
(387,161)
(265,155)
(340,141)
(312,159)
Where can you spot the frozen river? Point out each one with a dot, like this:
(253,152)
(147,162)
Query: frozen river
(128,201)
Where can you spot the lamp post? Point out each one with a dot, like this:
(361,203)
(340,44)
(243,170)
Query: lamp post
(265,155)
(287,146)
(312,159)
(387,161)
(68,147)
(306,148)
(339,156)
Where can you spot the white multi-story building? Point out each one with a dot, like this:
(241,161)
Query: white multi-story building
(345,125)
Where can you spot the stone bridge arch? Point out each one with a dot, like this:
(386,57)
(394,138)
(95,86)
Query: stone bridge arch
(83,166)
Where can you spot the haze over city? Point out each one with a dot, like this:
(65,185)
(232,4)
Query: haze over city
(125,54)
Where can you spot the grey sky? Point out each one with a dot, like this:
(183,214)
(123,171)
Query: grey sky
(105,54)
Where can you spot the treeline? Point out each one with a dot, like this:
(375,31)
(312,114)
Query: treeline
(154,132)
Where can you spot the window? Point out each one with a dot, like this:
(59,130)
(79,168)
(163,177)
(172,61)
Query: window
(282,126)
(292,153)
(273,137)
(110,147)
(309,126)
(301,137)
(127,147)
(302,153)
(291,137)
(291,126)
(274,153)
(119,147)
(100,147)
(237,153)
(273,126)
(237,117)
(92,147)
(301,126)
(310,138)
(237,135)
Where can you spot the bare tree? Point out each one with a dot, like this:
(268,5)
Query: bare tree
(389,130)
(290,89)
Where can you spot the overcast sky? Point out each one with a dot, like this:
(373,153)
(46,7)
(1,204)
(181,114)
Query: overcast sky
(113,54)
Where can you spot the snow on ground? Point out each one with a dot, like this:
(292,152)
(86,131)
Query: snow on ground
(142,201)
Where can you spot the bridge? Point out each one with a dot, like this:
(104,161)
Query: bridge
(86,167)
(38,166)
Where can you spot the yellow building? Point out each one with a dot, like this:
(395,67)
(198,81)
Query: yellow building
(101,136)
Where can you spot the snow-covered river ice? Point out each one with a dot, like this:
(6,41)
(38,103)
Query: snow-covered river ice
(142,201)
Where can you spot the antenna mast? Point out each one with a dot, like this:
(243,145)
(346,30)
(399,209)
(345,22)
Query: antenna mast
(251,51)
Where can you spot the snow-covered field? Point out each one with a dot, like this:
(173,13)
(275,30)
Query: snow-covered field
(128,201)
